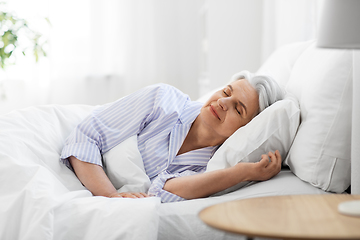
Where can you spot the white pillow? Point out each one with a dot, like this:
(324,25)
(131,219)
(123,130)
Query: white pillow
(321,80)
(124,166)
(273,129)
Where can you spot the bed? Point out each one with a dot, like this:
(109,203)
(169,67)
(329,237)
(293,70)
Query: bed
(42,199)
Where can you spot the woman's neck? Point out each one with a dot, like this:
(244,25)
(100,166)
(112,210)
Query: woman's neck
(198,137)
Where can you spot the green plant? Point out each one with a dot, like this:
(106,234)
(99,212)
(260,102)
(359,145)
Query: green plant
(16,36)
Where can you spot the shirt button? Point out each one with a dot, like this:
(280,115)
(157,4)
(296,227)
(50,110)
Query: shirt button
(158,167)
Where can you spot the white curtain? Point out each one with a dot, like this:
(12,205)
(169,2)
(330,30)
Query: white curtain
(129,44)
(101,50)
(287,21)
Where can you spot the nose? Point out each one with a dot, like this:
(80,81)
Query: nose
(223,103)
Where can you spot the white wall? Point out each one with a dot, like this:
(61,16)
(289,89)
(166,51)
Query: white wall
(177,43)
(234,31)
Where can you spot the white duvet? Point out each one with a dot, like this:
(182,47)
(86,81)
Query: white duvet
(42,199)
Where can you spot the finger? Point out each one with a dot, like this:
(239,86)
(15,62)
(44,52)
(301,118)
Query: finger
(128,195)
(144,194)
(264,160)
(272,157)
(278,155)
(138,195)
(115,195)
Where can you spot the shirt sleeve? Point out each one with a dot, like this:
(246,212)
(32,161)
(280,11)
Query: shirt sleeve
(111,124)
(156,188)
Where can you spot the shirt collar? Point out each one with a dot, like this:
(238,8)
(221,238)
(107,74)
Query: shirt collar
(199,157)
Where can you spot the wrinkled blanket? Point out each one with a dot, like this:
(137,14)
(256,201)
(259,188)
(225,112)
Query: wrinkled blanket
(42,199)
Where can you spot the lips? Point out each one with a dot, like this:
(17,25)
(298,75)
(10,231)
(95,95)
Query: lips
(213,111)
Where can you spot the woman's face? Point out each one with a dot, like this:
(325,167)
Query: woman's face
(230,108)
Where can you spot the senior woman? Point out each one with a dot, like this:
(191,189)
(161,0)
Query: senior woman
(176,138)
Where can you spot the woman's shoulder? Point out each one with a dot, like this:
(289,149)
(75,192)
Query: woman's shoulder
(165,87)
(169,98)
(166,91)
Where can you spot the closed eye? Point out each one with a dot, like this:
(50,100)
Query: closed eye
(240,103)
(227,92)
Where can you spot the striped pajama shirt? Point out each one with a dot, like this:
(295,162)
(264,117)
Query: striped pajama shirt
(161,116)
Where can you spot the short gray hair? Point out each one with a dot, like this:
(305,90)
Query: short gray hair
(268,89)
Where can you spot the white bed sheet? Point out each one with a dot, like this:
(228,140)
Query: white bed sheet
(42,199)
(180,220)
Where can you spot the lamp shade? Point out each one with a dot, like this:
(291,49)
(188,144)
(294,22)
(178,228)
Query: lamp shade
(340,24)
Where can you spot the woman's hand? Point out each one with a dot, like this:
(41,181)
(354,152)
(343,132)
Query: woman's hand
(266,168)
(128,195)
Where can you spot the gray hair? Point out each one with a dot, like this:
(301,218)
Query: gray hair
(268,89)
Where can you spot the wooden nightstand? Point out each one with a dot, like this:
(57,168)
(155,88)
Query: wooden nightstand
(285,217)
